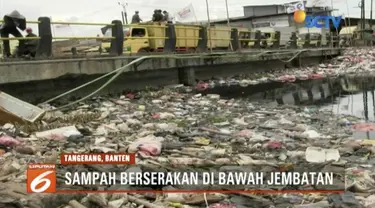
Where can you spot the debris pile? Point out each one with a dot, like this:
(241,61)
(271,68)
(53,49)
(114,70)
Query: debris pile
(355,62)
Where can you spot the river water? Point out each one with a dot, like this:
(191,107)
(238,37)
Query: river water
(352,105)
(322,95)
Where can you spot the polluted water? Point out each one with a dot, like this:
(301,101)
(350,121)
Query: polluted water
(293,125)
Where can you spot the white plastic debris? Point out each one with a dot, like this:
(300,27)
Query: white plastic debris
(320,155)
(59,133)
(311,134)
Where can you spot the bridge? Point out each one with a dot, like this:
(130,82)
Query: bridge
(49,73)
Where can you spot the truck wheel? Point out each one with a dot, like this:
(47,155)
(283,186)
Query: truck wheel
(142,51)
(191,50)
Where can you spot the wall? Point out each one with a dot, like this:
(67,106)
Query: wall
(241,23)
(272,21)
(40,90)
(250,11)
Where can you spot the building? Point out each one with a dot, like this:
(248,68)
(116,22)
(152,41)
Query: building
(275,15)
(269,18)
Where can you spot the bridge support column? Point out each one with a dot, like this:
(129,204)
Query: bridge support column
(297,98)
(279,97)
(234,39)
(258,37)
(280,101)
(170,43)
(306,44)
(328,40)
(321,90)
(276,41)
(297,62)
(117,44)
(310,95)
(293,40)
(319,43)
(202,42)
(44,48)
(186,76)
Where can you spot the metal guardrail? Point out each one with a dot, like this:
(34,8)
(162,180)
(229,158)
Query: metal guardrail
(68,23)
(63,38)
(29,22)
(23,38)
(81,23)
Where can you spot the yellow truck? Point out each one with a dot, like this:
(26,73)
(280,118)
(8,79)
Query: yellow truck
(348,35)
(150,37)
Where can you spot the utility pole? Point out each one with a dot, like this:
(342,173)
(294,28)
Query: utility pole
(363,14)
(228,22)
(371,15)
(209,26)
(124,14)
(363,21)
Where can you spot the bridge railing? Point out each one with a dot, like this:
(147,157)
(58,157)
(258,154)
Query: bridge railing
(44,48)
(168,38)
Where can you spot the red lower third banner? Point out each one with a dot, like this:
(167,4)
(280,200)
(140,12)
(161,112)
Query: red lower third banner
(119,173)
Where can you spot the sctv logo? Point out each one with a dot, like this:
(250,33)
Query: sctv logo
(317,21)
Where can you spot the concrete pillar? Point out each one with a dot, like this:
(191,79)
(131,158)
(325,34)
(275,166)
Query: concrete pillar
(234,36)
(319,44)
(310,95)
(74,51)
(335,40)
(280,101)
(329,39)
(297,98)
(276,41)
(306,44)
(186,76)
(258,37)
(293,40)
(321,90)
(170,43)
(297,62)
(202,42)
(117,44)
(346,82)
(44,48)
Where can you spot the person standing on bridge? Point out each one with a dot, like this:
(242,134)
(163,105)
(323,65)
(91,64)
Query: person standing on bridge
(167,18)
(136,19)
(157,16)
(30,45)
(11,22)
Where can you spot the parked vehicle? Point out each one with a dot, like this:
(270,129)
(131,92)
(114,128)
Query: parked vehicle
(150,37)
(348,35)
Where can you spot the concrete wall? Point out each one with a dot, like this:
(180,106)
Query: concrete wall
(281,20)
(250,11)
(24,71)
(239,23)
(38,81)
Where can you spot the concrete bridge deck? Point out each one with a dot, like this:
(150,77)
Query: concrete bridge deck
(38,70)
(38,80)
